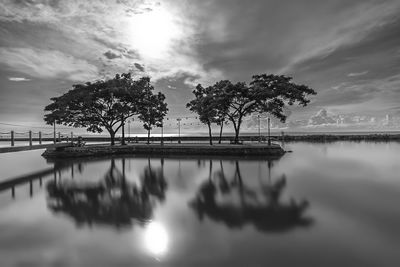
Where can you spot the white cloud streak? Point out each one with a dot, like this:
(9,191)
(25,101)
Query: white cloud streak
(18,79)
(355,74)
(350,27)
(47,64)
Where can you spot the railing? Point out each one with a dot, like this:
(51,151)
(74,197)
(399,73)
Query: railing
(35,137)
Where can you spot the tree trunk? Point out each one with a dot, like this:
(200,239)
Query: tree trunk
(220,133)
(209,132)
(210,173)
(237,131)
(112,136)
(123,132)
(148,136)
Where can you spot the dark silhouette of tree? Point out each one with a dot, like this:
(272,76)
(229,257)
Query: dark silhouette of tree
(101,104)
(221,104)
(265,94)
(153,110)
(111,201)
(204,106)
(153,181)
(266,214)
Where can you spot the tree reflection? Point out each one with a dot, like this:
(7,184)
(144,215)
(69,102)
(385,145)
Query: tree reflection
(232,202)
(111,201)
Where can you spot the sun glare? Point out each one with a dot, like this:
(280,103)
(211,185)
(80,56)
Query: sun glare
(156,239)
(152,33)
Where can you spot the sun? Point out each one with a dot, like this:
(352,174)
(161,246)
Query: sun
(153,33)
(156,239)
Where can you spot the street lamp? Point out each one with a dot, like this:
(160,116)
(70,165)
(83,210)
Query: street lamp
(179,130)
(269,131)
(129,130)
(54,132)
(259,128)
(123,132)
(162,131)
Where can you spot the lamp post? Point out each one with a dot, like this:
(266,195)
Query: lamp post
(179,130)
(129,130)
(269,131)
(123,132)
(259,128)
(162,132)
(54,132)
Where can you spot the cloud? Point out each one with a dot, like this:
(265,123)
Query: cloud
(111,55)
(47,64)
(320,118)
(158,34)
(18,79)
(355,74)
(322,45)
(139,67)
(352,25)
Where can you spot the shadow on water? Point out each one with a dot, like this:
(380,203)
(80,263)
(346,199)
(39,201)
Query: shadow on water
(262,208)
(112,201)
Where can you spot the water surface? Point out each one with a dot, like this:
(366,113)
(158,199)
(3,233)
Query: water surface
(322,205)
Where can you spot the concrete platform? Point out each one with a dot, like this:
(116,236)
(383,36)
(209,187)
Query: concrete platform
(246,150)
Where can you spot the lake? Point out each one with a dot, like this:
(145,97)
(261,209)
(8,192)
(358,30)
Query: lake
(325,204)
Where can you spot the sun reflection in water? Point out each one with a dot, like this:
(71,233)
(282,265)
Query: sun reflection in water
(156,239)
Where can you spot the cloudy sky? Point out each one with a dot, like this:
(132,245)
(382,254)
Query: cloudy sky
(348,51)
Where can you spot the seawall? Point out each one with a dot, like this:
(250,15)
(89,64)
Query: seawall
(247,150)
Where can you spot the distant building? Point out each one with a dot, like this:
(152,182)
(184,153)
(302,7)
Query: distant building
(388,121)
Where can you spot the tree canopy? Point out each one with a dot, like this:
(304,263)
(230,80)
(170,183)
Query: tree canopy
(265,94)
(101,104)
(153,110)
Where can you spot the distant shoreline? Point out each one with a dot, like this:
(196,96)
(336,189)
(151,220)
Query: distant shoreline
(315,137)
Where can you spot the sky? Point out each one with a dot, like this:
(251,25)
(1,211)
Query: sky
(347,51)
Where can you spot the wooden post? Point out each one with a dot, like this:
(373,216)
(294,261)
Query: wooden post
(12,138)
(72,137)
(59,137)
(30,139)
(40,138)
(30,188)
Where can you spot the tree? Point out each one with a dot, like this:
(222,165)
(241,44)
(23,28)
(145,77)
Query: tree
(204,105)
(152,110)
(266,93)
(221,104)
(101,104)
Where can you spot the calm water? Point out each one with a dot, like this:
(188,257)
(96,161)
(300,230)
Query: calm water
(322,205)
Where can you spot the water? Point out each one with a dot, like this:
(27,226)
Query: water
(322,205)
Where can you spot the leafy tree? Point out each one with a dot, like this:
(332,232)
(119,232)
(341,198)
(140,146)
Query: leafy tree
(204,105)
(152,110)
(101,104)
(266,93)
(221,104)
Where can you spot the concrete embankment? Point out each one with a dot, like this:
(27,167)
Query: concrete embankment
(251,150)
(33,147)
